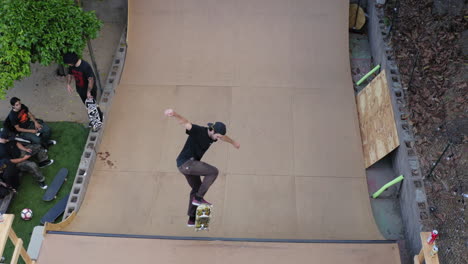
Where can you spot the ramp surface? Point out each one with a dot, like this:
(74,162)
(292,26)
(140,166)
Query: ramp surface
(277,73)
(63,249)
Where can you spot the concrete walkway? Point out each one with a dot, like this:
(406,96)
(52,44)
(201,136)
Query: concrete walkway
(45,93)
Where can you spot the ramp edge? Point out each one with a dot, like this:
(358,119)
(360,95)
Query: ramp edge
(223,238)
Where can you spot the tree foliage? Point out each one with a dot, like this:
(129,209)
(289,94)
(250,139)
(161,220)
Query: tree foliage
(40,31)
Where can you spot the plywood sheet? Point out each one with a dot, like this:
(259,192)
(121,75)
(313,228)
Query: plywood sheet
(261,121)
(265,46)
(260,206)
(135,111)
(377,121)
(316,115)
(161,198)
(153,38)
(57,249)
(316,61)
(209,42)
(343,205)
(118,200)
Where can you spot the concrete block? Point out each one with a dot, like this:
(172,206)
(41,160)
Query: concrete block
(88,157)
(36,242)
(413,202)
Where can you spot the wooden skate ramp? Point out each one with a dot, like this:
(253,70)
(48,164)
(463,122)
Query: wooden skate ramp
(85,249)
(277,73)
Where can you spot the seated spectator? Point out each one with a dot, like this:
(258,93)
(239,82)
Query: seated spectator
(5,189)
(9,175)
(26,124)
(21,156)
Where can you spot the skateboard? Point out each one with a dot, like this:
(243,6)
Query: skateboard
(22,140)
(93,114)
(55,211)
(54,187)
(12,135)
(203,217)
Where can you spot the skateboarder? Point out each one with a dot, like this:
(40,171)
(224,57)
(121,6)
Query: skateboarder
(26,124)
(84,78)
(189,161)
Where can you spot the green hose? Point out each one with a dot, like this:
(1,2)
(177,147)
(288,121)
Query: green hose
(368,74)
(386,186)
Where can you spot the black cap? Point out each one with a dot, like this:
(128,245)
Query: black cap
(70,58)
(218,127)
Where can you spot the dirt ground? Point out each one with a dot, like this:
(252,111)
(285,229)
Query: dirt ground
(430,49)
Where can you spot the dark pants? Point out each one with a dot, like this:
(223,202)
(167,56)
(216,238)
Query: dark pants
(193,169)
(42,138)
(83,93)
(11,176)
(29,165)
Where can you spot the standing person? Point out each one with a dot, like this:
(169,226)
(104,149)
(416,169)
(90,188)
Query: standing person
(85,83)
(26,124)
(188,162)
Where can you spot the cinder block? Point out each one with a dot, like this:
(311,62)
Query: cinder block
(88,157)
(412,198)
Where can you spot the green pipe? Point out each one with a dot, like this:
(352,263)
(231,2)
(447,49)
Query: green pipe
(368,74)
(386,186)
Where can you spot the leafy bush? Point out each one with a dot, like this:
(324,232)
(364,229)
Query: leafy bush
(40,31)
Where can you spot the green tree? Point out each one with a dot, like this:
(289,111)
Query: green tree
(40,31)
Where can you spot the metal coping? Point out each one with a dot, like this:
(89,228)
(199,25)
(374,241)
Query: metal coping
(224,239)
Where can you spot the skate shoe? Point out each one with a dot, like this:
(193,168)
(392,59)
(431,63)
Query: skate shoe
(200,201)
(191,222)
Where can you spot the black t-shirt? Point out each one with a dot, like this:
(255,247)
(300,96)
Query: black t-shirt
(3,166)
(9,173)
(81,74)
(196,145)
(9,150)
(20,118)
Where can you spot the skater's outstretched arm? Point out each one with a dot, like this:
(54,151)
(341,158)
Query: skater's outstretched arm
(182,120)
(231,141)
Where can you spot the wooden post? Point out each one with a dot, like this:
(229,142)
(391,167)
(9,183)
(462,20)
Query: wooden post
(7,232)
(425,253)
(16,253)
(59,226)
(5,227)
(15,240)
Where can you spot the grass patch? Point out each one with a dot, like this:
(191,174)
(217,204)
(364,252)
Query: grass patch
(71,139)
